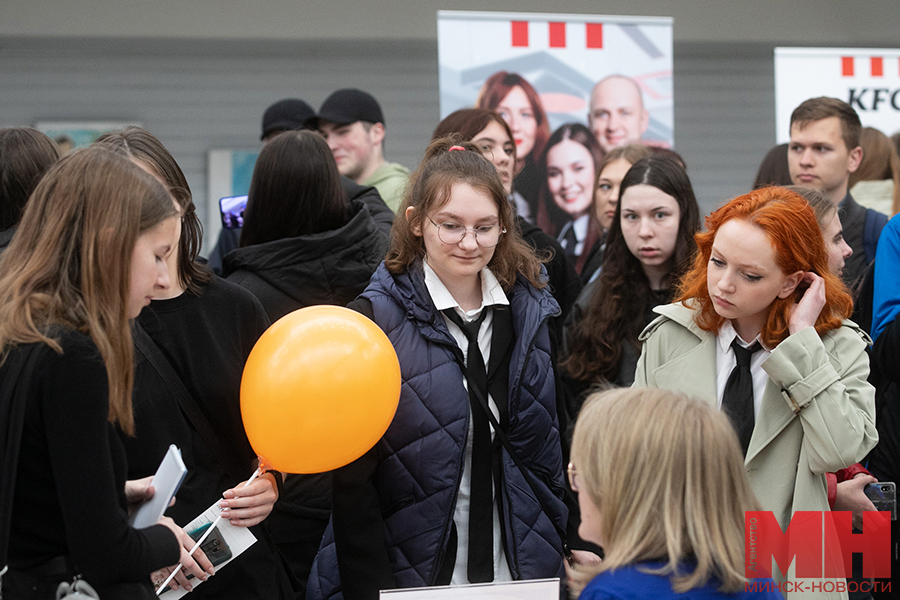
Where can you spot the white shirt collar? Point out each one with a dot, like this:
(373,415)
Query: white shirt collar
(727,333)
(580,226)
(491,293)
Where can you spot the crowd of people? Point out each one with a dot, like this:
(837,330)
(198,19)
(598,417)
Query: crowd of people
(596,386)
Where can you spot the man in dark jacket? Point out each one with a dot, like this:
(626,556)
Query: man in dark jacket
(824,150)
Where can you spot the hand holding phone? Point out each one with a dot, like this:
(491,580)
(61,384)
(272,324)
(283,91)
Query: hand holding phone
(883,495)
(808,307)
(232,209)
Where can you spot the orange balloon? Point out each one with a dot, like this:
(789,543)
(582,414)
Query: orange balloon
(319,389)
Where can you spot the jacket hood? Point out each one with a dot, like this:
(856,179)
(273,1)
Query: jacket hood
(298,265)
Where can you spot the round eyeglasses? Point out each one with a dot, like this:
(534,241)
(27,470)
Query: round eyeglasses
(486,236)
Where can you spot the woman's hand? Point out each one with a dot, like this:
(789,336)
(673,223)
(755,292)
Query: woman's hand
(580,567)
(248,505)
(138,491)
(850,496)
(805,312)
(197,565)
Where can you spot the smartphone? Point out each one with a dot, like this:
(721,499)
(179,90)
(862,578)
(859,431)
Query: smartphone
(232,209)
(883,495)
(214,547)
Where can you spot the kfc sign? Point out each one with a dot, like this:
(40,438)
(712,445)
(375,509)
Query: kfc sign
(866,79)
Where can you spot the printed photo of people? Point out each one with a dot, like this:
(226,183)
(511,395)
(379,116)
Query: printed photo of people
(571,88)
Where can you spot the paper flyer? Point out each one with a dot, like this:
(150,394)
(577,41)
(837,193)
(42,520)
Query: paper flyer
(237,539)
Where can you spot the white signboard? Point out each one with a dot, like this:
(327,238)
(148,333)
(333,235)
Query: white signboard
(866,78)
(536,589)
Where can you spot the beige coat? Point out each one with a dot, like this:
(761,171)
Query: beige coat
(817,413)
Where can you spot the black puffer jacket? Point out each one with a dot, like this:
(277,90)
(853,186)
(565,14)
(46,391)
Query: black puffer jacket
(229,239)
(325,268)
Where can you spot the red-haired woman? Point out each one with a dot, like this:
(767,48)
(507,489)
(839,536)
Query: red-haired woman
(760,332)
(520,106)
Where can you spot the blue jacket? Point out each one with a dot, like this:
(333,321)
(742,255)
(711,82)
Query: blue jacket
(417,465)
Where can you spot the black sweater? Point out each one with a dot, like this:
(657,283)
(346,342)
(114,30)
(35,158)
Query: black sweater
(206,340)
(70,487)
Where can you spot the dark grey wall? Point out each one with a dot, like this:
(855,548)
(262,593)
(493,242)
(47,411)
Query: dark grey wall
(202,95)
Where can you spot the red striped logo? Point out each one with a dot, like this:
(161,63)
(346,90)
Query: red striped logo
(876,66)
(847,66)
(520,34)
(594,35)
(556,35)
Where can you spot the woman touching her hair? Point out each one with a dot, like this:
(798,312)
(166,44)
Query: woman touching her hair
(760,328)
(89,255)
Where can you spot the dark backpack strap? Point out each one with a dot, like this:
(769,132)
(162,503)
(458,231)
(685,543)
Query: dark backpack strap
(13,401)
(148,348)
(875,222)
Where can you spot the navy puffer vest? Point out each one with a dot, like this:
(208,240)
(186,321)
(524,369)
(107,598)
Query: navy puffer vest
(421,454)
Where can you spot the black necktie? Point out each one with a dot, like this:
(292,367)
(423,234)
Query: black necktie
(571,241)
(737,401)
(481,505)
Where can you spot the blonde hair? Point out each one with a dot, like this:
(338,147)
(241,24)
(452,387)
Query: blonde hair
(69,264)
(667,476)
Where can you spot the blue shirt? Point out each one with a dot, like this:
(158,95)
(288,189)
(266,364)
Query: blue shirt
(631,582)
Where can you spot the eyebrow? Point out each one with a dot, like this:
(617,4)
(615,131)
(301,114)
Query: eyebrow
(447,215)
(753,266)
(657,209)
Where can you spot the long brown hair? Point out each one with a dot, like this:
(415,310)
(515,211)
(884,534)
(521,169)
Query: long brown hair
(429,190)
(495,89)
(142,146)
(880,161)
(792,229)
(469,122)
(70,262)
(25,155)
(615,314)
(295,190)
(549,215)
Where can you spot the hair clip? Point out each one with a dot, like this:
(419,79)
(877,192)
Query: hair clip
(452,148)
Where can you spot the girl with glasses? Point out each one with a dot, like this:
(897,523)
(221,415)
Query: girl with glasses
(440,499)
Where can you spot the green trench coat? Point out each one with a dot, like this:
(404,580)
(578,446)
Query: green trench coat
(817,413)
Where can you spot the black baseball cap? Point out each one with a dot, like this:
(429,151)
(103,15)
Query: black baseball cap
(348,106)
(289,114)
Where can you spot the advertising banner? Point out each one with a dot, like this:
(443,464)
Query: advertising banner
(607,76)
(867,79)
